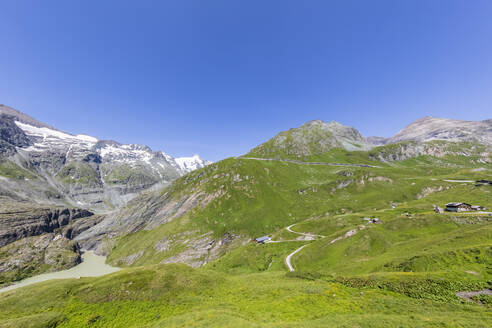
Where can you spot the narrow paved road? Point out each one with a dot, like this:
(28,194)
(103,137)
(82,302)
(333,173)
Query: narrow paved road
(289,257)
(310,236)
(307,163)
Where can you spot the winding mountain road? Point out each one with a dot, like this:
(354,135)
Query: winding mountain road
(289,257)
(307,234)
(308,163)
(310,236)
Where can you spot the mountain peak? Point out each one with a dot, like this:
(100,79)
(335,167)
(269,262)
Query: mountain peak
(21,117)
(312,138)
(321,122)
(435,128)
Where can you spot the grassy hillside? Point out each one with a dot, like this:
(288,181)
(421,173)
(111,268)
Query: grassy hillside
(178,296)
(79,174)
(247,198)
(11,170)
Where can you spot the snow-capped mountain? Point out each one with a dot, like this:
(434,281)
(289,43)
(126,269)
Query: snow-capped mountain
(188,164)
(81,169)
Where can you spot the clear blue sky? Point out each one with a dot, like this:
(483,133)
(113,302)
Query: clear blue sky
(219,77)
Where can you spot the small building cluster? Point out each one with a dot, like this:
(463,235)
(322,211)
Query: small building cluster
(262,240)
(463,207)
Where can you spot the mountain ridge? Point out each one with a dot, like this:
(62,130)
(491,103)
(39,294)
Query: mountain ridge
(435,128)
(80,169)
(316,137)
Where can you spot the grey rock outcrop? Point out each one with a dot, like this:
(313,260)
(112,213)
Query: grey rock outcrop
(21,117)
(18,224)
(377,141)
(410,149)
(11,136)
(434,128)
(37,254)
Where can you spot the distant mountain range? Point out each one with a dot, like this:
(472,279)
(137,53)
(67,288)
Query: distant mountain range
(49,166)
(318,137)
(434,128)
(58,167)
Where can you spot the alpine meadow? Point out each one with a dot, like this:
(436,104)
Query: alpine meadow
(246,164)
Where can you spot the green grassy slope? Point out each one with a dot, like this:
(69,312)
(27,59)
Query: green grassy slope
(248,197)
(178,296)
(11,170)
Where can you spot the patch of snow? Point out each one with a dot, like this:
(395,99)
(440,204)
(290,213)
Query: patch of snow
(126,153)
(46,133)
(86,138)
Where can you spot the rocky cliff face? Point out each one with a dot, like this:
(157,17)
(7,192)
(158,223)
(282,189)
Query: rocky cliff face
(11,136)
(17,223)
(36,239)
(37,254)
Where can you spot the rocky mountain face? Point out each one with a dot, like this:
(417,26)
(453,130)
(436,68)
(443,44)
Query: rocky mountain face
(427,136)
(37,254)
(21,117)
(55,167)
(11,136)
(437,137)
(434,128)
(474,153)
(20,222)
(35,238)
